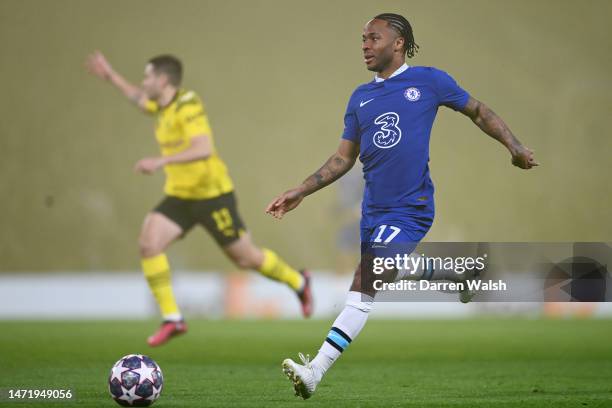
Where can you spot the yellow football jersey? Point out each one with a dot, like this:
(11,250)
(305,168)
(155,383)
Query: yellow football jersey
(177,123)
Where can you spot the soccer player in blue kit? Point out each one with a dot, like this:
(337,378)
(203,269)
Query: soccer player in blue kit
(388,123)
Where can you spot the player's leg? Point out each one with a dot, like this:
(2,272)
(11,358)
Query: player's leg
(161,227)
(344,330)
(157,233)
(221,218)
(246,255)
(359,302)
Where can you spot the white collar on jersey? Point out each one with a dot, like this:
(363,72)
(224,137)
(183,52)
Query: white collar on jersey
(397,72)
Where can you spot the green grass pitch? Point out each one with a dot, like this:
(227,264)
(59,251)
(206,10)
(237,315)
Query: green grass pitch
(463,363)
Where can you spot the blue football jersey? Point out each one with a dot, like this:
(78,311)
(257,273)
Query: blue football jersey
(391,121)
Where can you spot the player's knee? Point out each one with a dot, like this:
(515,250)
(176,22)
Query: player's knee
(148,247)
(245,256)
(245,261)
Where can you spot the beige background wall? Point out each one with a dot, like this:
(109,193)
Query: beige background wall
(275,76)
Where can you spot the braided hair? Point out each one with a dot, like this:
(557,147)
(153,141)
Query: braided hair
(403,28)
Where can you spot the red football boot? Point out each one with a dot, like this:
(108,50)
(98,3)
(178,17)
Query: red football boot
(305,295)
(166,332)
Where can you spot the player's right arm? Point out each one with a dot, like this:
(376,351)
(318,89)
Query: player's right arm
(98,65)
(494,126)
(335,167)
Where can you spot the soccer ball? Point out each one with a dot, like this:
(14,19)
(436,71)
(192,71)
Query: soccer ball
(135,380)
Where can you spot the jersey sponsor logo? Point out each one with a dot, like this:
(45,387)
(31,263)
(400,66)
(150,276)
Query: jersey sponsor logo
(362,103)
(389,134)
(412,94)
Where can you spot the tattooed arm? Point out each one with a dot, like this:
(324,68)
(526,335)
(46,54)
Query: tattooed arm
(495,127)
(335,167)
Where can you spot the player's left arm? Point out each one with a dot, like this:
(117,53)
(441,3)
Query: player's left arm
(194,124)
(199,149)
(494,126)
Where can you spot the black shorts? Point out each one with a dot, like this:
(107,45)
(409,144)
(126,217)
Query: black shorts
(218,215)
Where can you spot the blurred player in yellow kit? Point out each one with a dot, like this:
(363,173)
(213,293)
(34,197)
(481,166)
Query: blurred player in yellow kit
(198,189)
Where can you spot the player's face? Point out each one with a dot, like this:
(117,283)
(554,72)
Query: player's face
(152,83)
(378,44)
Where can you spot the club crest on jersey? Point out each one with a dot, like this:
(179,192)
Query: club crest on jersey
(389,133)
(412,94)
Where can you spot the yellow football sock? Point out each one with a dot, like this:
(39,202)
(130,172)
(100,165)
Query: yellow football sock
(275,268)
(157,271)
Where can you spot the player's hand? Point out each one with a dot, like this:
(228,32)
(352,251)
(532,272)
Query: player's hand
(98,65)
(285,203)
(523,157)
(148,165)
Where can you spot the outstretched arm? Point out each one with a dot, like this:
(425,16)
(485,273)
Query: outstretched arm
(200,148)
(98,65)
(335,167)
(495,127)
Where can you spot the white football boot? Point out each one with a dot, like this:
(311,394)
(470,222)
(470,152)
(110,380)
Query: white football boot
(303,376)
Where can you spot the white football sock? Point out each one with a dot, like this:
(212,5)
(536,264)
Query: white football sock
(174,317)
(346,327)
